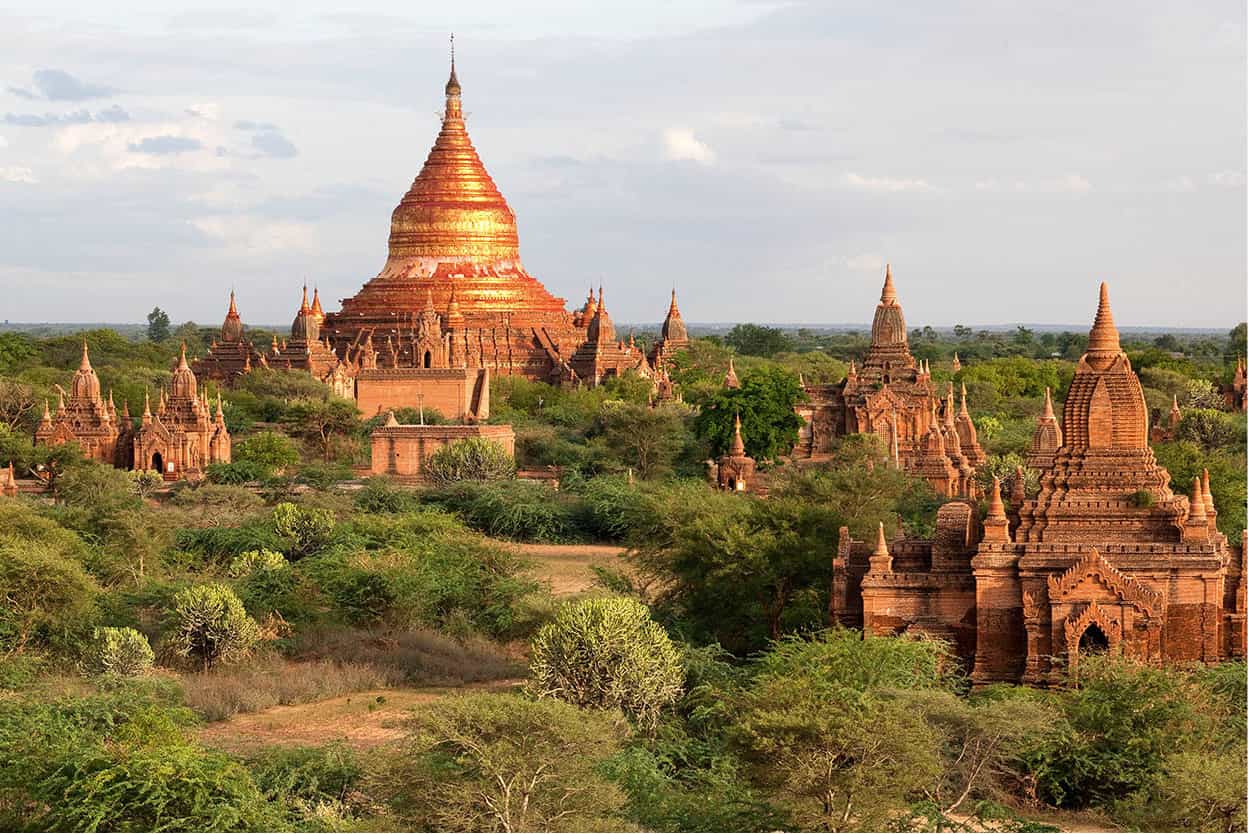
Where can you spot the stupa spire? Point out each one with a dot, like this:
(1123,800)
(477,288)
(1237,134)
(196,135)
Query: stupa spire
(1048,405)
(881,543)
(85,365)
(996,507)
(962,411)
(303,305)
(233,311)
(889,294)
(730,378)
(737,449)
(182,364)
(1103,338)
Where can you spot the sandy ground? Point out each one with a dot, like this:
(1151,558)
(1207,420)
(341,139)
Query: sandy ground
(567,568)
(361,720)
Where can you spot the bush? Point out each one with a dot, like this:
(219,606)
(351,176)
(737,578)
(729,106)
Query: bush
(270,450)
(120,651)
(324,475)
(238,472)
(607,653)
(379,495)
(504,763)
(306,530)
(473,459)
(45,592)
(615,507)
(519,510)
(257,561)
(211,625)
(119,764)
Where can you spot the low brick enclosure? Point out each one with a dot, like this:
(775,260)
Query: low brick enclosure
(401,451)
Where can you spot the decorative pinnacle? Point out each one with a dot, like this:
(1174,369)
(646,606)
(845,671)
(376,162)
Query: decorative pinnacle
(1103,337)
(86,360)
(881,544)
(962,412)
(182,359)
(1208,494)
(889,294)
(996,507)
(303,306)
(1197,504)
(147,403)
(1048,405)
(738,445)
(233,311)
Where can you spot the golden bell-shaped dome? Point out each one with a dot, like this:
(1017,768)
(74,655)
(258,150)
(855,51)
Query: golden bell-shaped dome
(454,211)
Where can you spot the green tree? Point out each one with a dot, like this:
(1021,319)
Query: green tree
(211,625)
(157,325)
(476,459)
(44,590)
(757,340)
(765,402)
(505,763)
(324,422)
(643,438)
(275,452)
(606,652)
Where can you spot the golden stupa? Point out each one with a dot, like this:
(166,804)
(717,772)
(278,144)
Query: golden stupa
(452,229)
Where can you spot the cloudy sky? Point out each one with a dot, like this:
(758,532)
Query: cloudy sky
(767,158)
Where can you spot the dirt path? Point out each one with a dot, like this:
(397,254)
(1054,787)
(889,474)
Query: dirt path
(362,720)
(568,568)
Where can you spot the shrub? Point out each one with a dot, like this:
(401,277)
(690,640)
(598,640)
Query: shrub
(504,763)
(306,530)
(324,475)
(119,764)
(607,653)
(379,495)
(311,776)
(120,651)
(519,510)
(238,472)
(473,459)
(44,591)
(272,451)
(212,625)
(615,507)
(254,561)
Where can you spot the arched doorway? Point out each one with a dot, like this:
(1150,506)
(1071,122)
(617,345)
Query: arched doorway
(158,462)
(1093,641)
(428,359)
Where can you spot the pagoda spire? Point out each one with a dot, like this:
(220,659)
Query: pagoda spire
(85,365)
(317,310)
(996,507)
(996,524)
(233,311)
(454,107)
(880,561)
(147,405)
(304,307)
(1048,405)
(730,378)
(737,448)
(182,364)
(1103,338)
(889,294)
(962,411)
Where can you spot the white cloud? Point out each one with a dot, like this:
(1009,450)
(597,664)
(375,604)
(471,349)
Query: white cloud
(4,143)
(18,174)
(679,143)
(885,184)
(1069,183)
(1181,184)
(209,110)
(865,263)
(246,234)
(1073,183)
(1227,179)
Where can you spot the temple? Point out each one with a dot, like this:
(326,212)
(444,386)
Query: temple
(183,435)
(83,417)
(892,396)
(1105,557)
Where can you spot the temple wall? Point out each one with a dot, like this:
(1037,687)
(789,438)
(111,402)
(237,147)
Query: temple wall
(452,392)
(402,450)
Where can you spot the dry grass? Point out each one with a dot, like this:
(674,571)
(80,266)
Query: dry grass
(228,691)
(419,657)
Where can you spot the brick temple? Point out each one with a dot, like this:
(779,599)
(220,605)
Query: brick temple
(1105,557)
(892,396)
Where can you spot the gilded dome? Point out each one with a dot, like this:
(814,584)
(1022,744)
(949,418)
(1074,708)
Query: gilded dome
(454,211)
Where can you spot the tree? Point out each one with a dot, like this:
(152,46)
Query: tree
(1236,343)
(324,422)
(492,762)
(145,482)
(43,590)
(476,459)
(757,340)
(765,402)
(157,325)
(17,404)
(606,652)
(1212,429)
(643,438)
(211,625)
(275,452)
